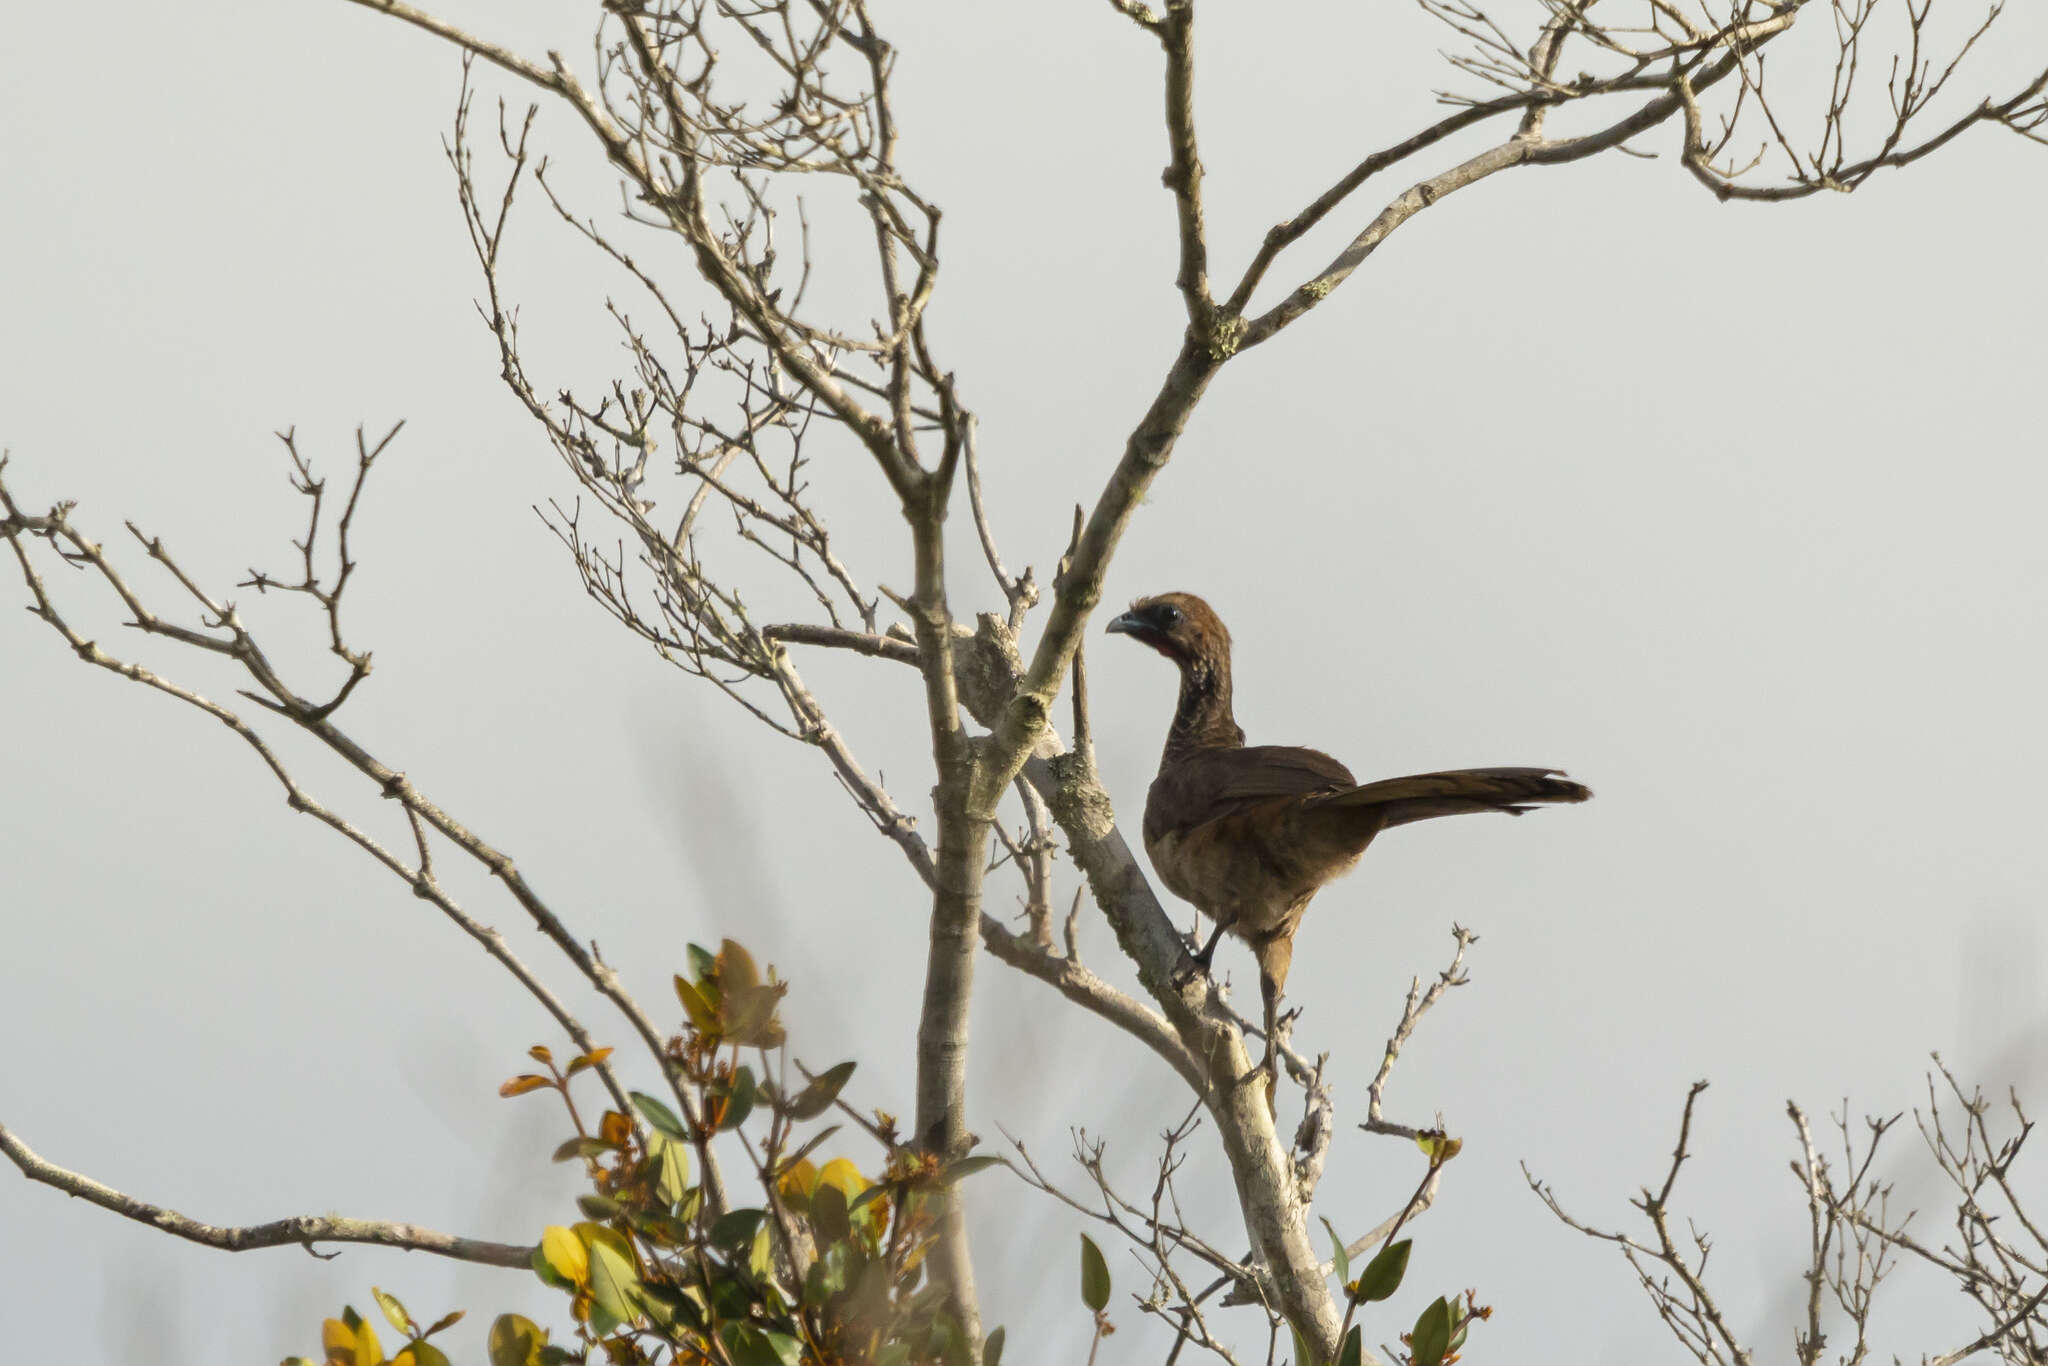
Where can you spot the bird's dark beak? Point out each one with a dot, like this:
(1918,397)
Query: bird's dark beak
(1129,624)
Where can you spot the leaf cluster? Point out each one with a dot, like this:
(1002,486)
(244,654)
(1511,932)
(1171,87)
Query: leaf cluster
(824,1267)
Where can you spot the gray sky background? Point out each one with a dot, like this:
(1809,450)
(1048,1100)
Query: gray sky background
(1734,512)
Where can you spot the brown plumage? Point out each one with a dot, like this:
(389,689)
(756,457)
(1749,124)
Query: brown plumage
(1250,834)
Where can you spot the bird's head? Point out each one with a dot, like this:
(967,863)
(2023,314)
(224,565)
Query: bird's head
(1180,626)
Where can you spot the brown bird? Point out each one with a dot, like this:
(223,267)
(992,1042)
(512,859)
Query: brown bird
(1250,834)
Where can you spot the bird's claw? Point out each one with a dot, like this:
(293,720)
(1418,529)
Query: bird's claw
(1193,966)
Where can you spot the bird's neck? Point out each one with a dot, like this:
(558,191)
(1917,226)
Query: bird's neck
(1202,720)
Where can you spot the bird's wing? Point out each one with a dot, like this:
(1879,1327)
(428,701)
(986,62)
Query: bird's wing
(1211,784)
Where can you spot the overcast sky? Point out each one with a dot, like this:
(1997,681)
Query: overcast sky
(1734,512)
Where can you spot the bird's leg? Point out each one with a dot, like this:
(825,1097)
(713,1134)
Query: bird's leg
(1199,962)
(1269,990)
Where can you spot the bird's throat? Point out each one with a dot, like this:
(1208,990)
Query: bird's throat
(1202,719)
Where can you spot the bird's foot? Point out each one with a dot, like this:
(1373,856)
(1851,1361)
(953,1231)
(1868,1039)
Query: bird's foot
(1200,959)
(1193,966)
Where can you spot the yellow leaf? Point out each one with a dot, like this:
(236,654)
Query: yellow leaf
(565,1252)
(350,1342)
(515,1340)
(520,1085)
(843,1176)
(540,1054)
(702,1018)
(800,1179)
(393,1310)
(338,1340)
(1438,1146)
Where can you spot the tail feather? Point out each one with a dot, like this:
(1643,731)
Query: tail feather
(1424,796)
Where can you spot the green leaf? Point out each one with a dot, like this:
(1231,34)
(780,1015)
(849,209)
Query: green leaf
(598,1206)
(659,1115)
(827,1276)
(741,1103)
(671,1167)
(736,970)
(751,1346)
(735,1227)
(1338,1256)
(1432,1336)
(829,1215)
(1352,1353)
(394,1312)
(968,1166)
(761,1259)
(702,964)
(664,1305)
(1094,1276)
(944,1342)
(992,1350)
(546,1271)
(748,1015)
(582,1147)
(614,1274)
(1301,1352)
(1382,1275)
(824,1088)
(1460,1323)
(421,1353)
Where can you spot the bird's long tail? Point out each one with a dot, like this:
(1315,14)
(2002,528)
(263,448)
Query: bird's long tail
(1424,796)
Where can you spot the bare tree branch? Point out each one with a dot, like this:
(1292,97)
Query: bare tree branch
(225,635)
(298,1231)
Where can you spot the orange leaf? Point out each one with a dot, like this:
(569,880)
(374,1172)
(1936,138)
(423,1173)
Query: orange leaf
(520,1085)
(540,1054)
(590,1059)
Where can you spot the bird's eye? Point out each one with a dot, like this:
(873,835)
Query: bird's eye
(1169,615)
